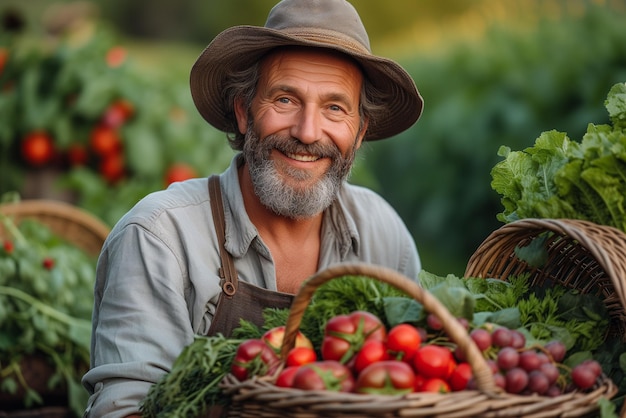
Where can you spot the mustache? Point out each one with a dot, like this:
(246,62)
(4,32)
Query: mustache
(288,144)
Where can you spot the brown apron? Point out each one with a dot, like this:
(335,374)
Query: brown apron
(238,300)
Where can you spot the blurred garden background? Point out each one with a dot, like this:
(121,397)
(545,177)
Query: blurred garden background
(95,106)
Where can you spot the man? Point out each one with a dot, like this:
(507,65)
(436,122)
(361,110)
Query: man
(297,97)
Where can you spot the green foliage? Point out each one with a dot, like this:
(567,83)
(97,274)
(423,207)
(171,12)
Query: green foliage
(46,299)
(66,86)
(561,178)
(503,90)
(192,383)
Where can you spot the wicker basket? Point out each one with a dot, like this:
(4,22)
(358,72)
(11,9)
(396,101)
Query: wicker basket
(258,397)
(588,257)
(74,224)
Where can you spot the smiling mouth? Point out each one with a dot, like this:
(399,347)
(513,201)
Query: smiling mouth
(302,157)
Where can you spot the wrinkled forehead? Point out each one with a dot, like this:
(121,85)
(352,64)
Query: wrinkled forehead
(311,54)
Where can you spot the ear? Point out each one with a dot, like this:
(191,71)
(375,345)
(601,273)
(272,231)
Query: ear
(362,133)
(241,113)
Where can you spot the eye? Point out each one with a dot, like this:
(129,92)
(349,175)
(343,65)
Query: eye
(335,108)
(284,100)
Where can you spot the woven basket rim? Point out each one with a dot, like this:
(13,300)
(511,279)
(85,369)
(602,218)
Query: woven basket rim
(89,231)
(606,244)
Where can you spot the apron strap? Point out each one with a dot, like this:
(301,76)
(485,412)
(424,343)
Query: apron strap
(227,270)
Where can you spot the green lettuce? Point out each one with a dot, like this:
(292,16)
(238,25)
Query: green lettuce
(562,178)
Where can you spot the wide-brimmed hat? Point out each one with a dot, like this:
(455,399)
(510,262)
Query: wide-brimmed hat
(332,24)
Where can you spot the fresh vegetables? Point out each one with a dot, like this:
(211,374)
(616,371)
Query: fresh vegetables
(298,356)
(344,335)
(388,377)
(254,357)
(401,322)
(324,375)
(193,381)
(274,338)
(46,298)
(561,178)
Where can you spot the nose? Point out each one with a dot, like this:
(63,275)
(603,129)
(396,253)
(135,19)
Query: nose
(307,126)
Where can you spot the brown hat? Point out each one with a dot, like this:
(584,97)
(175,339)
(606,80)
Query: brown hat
(333,24)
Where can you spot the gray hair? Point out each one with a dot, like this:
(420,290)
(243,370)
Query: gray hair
(243,85)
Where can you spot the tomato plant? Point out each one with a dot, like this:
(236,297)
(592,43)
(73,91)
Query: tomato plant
(46,301)
(4,56)
(112,167)
(254,358)
(37,148)
(179,172)
(390,377)
(77,155)
(105,141)
(117,113)
(324,375)
(344,335)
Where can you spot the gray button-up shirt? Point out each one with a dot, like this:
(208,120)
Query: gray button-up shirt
(157,279)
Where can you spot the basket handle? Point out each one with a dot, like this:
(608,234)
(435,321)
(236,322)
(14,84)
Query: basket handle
(457,333)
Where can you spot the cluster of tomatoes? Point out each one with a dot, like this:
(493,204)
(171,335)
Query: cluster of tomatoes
(104,148)
(358,354)
(103,151)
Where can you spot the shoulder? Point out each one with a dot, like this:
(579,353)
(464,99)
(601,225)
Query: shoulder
(185,201)
(364,203)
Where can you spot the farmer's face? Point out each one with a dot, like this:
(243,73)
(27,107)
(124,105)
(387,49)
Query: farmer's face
(303,130)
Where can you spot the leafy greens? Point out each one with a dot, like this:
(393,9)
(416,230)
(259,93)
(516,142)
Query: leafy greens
(562,178)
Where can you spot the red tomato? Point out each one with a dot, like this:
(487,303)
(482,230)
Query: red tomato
(460,376)
(117,113)
(298,356)
(372,351)
(434,361)
(253,358)
(435,385)
(4,57)
(112,168)
(115,56)
(285,378)
(179,172)
(37,148)
(403,341)
(77,155)
(105,141)
(344,335)
(419,382)
(48,263)
(324,375)
(274,338)
(391,377)
(8,247)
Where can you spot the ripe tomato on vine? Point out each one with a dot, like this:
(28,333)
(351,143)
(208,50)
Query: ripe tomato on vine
(37,148)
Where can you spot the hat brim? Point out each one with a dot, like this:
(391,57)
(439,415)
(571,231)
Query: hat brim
(240,46)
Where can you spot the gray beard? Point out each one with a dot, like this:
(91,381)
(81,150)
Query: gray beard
(279,197)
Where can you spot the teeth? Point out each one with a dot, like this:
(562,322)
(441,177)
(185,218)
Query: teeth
(300,157)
